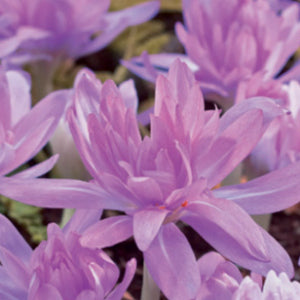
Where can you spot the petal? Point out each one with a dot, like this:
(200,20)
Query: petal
(15,268)
(20,98)
(233,145)
(146,224)
(36,128)
(172,264)
(150,66)
(13,241)
(39,169)
(129,94)
(208,263)
(119,291)
(272,192)
(269,108)
(60,193)
(107,232)
(232,232)
(8,289)
(279,258)
(46,292)
(118,21)
(82,219)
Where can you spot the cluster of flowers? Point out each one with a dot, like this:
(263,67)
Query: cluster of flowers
(235,53)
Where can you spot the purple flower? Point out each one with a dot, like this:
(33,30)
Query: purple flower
(70,164)
(280,145)
(221,278)
(275,287)
(59,268)
(168,177)
(35,29)
(229,42)
(24,131)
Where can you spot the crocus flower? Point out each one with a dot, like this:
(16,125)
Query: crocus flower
(35,29)
(168,177)
(59,268)
(219,277)
(280,144)
(25,130)
(222,279)
(275,287)
(228,42)
(70,165)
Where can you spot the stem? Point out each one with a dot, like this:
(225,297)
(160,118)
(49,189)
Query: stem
(66,216)
(150,290)
(42,74)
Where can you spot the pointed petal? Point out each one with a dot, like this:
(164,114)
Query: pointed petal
(172,264)
(121,288)
(146,224)
(232,232)
(233,145)
(39,169)
(36,128)
(60,193)
(108,232)
(119,20)
(47,292)
(20,98)
(279,258)
(82,219)
(12,240)
(269,108)
(15,268)
(272,192)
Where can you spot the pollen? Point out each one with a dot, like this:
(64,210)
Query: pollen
(184,203)
(160,206)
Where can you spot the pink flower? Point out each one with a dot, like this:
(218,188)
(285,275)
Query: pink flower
(168,177)
(275,287)
(219,277)
(228,42)
(222,279)
(59,268)
(280,144)
(25,130)
(35,29)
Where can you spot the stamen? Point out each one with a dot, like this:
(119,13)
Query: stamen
(184,203)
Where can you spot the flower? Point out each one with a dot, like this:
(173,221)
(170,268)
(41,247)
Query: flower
(219,277)
(168,177)
(229,42)
(70,164)
(25,130)
(59,268)
(222,278)
(280,145)
(45,29)
(275,287)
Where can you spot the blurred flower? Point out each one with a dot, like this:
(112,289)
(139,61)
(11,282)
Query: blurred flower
(229,42)
(24,131)
(59,268)
(280,4)
(47,29)
(275,287)
(221,278)
(280,145)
